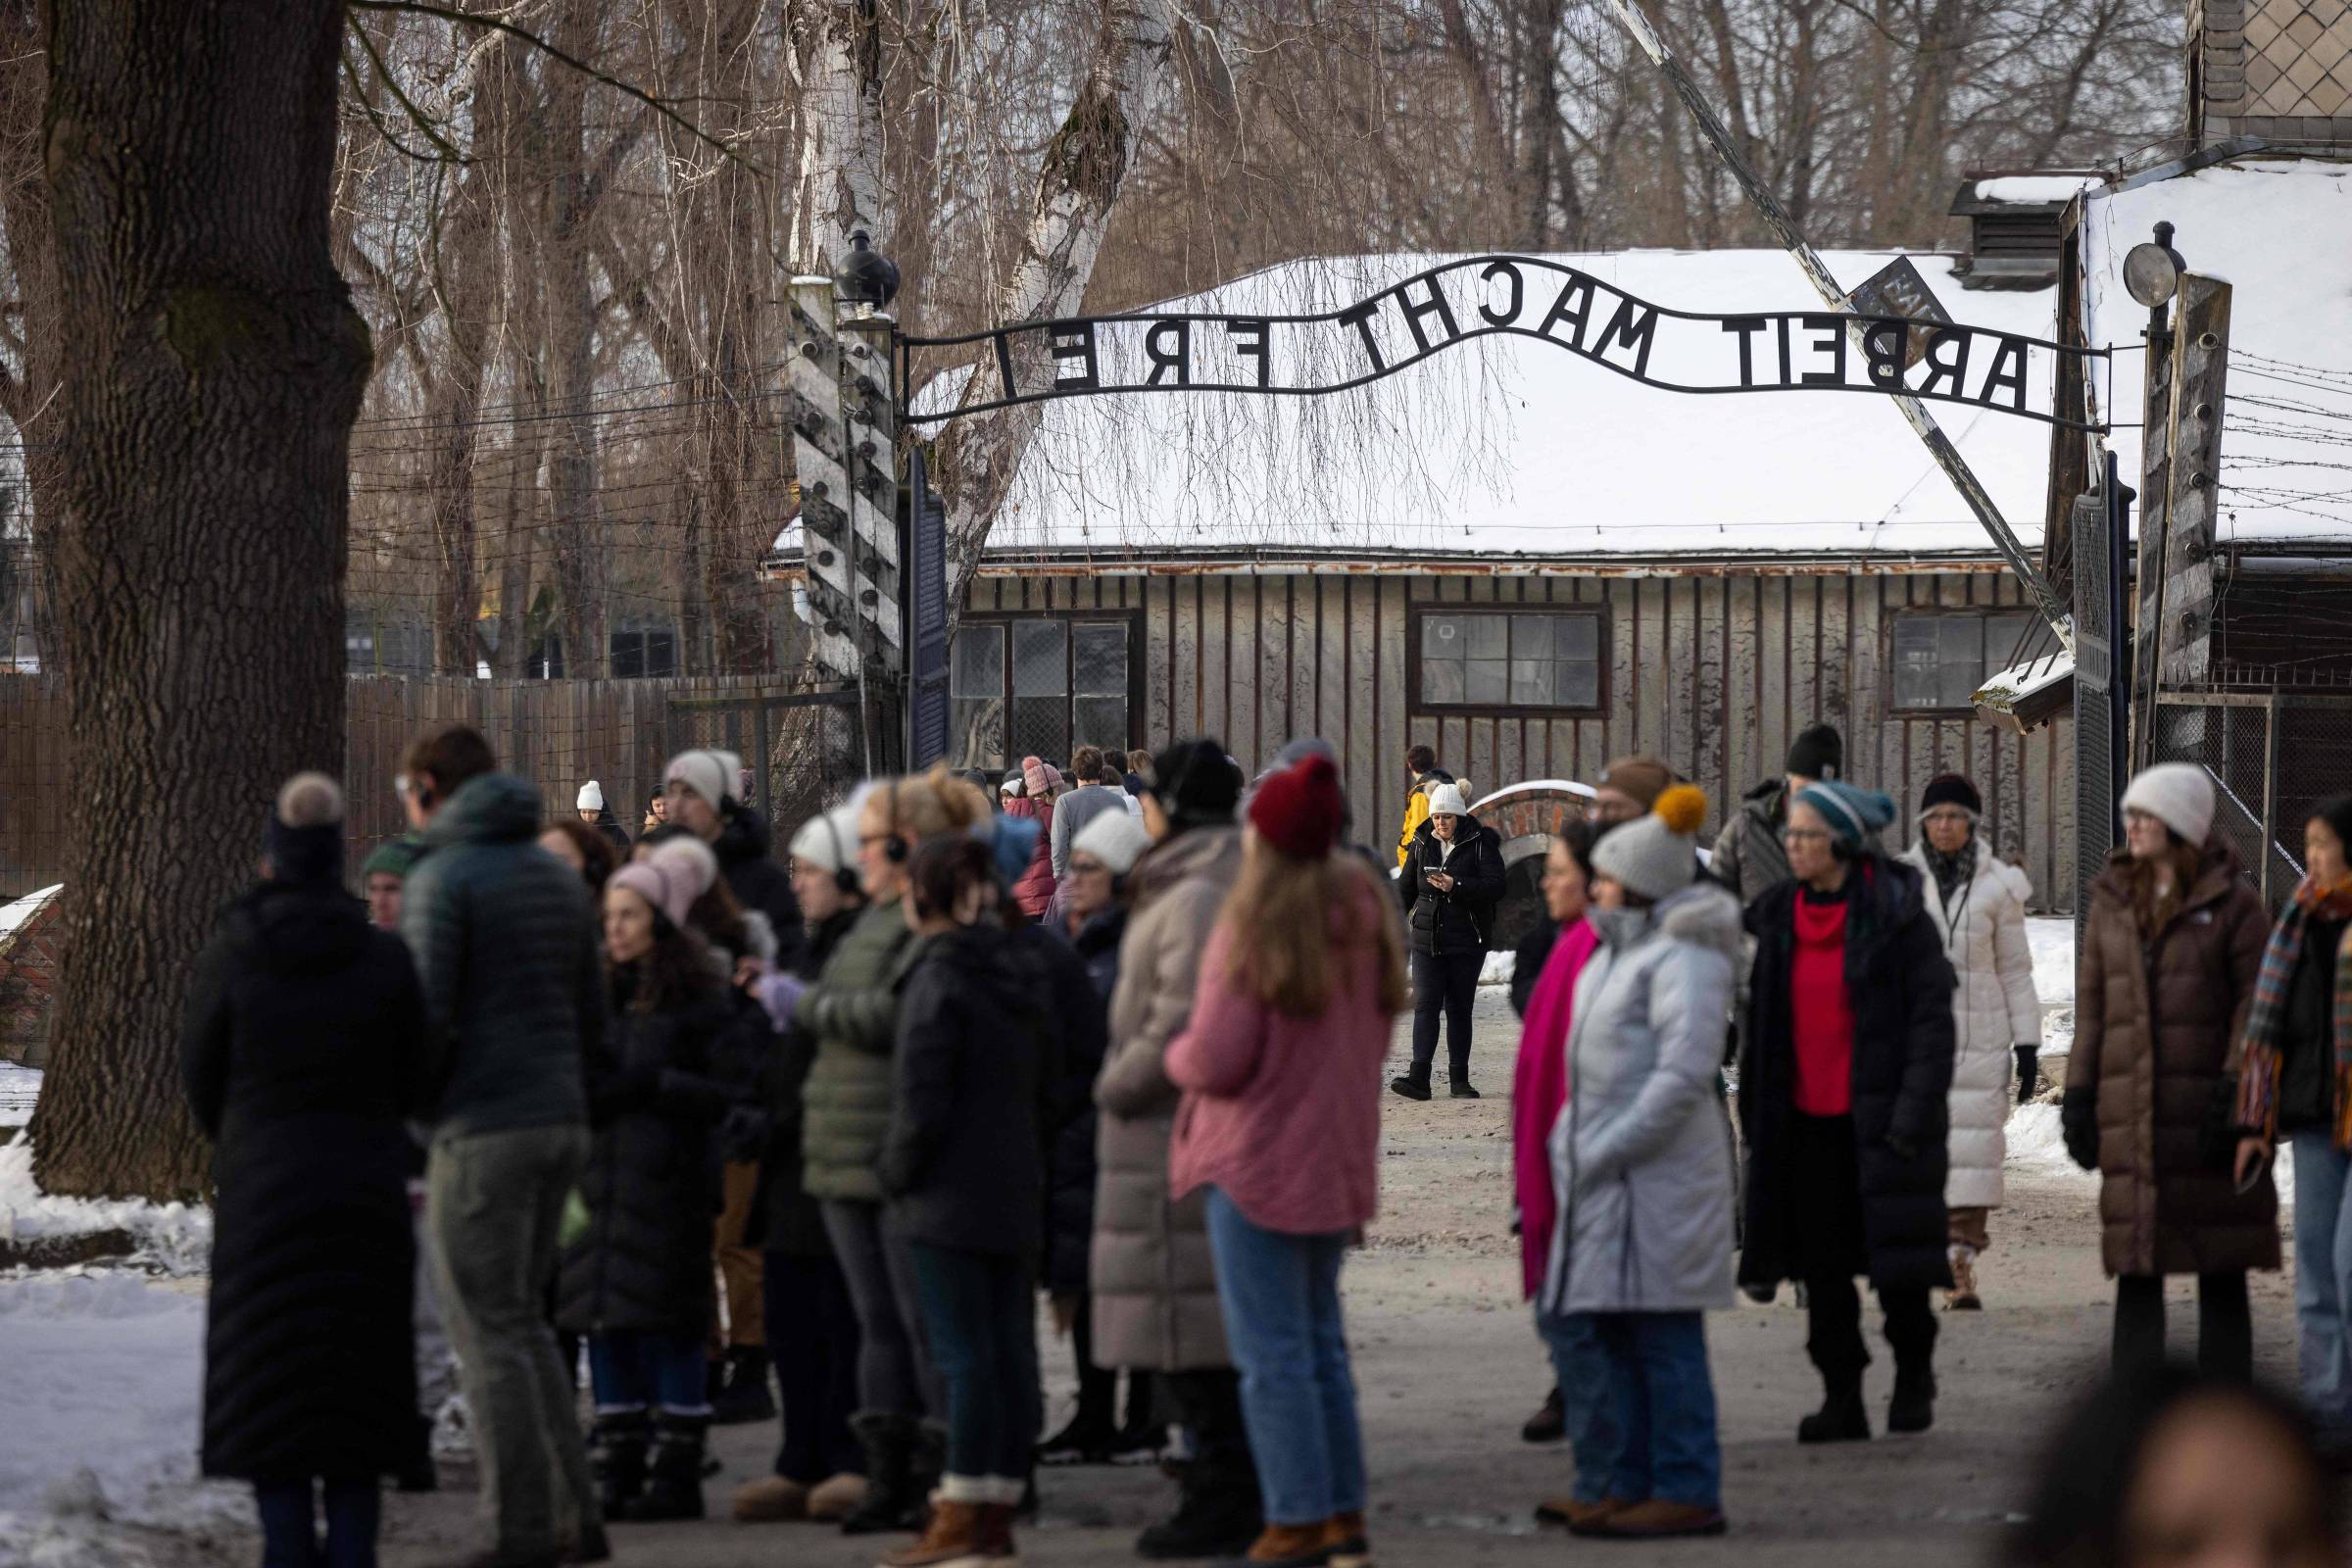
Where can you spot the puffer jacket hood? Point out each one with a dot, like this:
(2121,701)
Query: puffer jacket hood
(492,809)
(302,930)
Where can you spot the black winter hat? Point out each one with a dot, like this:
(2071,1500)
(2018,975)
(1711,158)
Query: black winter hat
(1196,782)
(2337,812)
(1950,789)
(1817,753)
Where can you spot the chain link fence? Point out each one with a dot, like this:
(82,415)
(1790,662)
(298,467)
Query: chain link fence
(2274,754)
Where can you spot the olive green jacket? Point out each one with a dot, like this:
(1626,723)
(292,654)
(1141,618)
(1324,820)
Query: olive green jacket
(853,1011)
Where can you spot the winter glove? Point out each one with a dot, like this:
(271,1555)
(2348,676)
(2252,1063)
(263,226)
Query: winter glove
(2079,1118)
(2028,1072)
(779,996)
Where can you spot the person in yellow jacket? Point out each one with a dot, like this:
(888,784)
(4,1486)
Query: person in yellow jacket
(1421,764)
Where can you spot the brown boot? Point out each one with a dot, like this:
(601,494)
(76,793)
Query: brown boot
(1962,1297)
(836,1497)
(1656,1521)
(771,1499)
(996,1536)
(952,1539)
(1572,1513)
(1345,1541)
(1286,1546)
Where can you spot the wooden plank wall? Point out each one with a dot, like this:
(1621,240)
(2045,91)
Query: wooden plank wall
(558,733)
(1715,674)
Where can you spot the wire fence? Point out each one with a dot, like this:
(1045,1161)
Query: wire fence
(2273,753)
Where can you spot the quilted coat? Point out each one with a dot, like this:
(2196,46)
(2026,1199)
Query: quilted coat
(2157,1026)
(1993,1009)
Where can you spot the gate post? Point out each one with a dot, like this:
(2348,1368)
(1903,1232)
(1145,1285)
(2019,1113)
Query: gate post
(2270,789)
(819,451)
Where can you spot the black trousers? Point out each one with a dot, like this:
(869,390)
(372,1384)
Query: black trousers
(1443,983)
(1826,1187)
(813,1339)
(1099,1387)
(1208,1407)
(2225,1324)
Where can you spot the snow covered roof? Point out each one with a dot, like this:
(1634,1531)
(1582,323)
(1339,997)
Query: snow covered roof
(2280,233)
(1509,447)
(2033,190)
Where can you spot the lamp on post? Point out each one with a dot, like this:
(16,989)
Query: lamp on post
(868,280)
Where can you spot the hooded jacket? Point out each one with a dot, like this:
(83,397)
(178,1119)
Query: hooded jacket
(1416,808)
(1901,988)
(1033,889)
(1983,926)
(758,880)
(302,1050)
(1154,1281)
(853,1012)
(2158,1026)
(506,953)
(1641,1152)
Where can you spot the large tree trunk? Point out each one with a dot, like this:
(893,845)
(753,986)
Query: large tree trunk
(214,366)
(1085,165)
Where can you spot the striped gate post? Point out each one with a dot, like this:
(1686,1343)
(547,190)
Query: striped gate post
(820,452)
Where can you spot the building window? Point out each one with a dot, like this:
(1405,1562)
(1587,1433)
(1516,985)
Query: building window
(644,649)
(1941,657)
(1038,687)
(1492,659)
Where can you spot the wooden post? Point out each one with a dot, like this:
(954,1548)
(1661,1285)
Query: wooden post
(870,419)
(2200,363)
(2270,790)
(818,450)
(2155,512)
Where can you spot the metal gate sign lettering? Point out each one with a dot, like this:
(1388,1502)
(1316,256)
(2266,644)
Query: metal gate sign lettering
(1520,296)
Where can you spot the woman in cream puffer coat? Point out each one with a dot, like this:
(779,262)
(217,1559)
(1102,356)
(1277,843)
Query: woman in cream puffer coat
(1977,903)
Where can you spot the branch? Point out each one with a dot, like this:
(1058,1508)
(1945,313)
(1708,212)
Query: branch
(358,93)
(384,73)
(497,24)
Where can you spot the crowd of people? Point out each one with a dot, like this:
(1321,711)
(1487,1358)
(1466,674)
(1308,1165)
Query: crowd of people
(1107,1039)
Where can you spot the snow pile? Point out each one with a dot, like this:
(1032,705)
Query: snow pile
(103,1386)
(175,1237)
(1498,968)
(2038,1143)
(2052,937)
(19,1089)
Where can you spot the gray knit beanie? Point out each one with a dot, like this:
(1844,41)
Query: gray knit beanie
(1656,854)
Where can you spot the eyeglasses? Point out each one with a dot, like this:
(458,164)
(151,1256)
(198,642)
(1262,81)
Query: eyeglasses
(1803,835)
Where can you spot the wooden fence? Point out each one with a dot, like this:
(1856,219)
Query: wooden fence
(558,734)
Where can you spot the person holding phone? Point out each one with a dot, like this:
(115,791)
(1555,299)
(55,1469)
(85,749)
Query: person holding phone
(1451,882)
(2171,949)
(2299,1058)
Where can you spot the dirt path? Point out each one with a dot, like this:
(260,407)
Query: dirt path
(1448,1367)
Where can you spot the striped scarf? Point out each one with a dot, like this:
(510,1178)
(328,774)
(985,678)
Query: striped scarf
(2258,1076)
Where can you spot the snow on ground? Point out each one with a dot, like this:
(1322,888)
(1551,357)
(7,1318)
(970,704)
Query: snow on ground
(19,1087)
(175,1237)
(1498,968)
(101,1382)
(2052,937)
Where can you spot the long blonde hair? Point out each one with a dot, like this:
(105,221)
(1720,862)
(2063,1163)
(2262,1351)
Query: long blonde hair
(1291,918)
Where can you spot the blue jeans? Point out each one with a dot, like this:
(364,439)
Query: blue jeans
(980,1321)
(635,1369)
(1580,1364)
(1665,1401)
(2323,1279)
(1280,1299)
(289,1511)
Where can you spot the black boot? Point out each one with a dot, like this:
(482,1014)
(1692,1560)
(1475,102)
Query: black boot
(1089,1438)
(1550,1424)
(673,1473)
(1412,1083)
(1840,1419)
(891,1500)
(1913,1408)
(418,1472)
(746,1395)
(1462,1090)
(617,1446)
(1219,1514)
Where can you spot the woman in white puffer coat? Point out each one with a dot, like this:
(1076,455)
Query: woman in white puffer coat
(1977,903)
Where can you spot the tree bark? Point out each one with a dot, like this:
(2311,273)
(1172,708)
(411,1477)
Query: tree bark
(214,365)
(1085,165)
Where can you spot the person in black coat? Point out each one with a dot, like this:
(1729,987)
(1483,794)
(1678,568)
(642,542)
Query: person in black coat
(819,1470)
(1846,1060)
(1082,954)
(1451,884)
(636,1274)
(303,1051)
(964,1165)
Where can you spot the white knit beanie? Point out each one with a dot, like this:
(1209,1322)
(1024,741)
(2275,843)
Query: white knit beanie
(592,797)
(2179,795)
(1114,838)
(828,840)
(710,774)
(1446,799)
(1656,854)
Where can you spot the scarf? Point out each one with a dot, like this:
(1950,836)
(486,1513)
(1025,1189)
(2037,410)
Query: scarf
(1539,1091)
(1952,871)
(2258,1075)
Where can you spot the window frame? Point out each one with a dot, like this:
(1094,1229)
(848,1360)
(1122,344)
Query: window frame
(1071,616)
(1420,609)
(1896,615)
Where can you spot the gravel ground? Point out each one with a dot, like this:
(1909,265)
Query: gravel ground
(1448,1367)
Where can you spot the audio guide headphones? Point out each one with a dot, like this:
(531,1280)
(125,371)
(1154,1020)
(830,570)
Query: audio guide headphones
(894,848)
(844,868)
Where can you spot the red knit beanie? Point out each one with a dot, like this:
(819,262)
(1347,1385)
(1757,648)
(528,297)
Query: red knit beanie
(1297,809)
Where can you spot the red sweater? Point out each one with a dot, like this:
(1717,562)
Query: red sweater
(1821,1013)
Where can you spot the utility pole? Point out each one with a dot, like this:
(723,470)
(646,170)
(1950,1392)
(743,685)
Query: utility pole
(1776,218)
